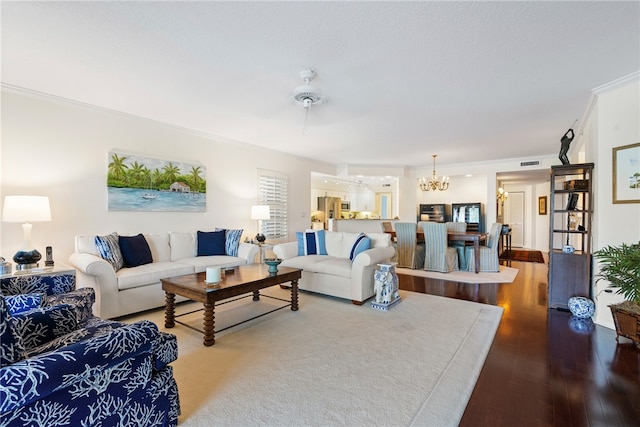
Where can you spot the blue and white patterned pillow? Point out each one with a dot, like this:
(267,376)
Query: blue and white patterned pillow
(362,243)
(39,326)
(311,242)
(232,240)
(23,302)
(11,348)
(80,299)
(109,249)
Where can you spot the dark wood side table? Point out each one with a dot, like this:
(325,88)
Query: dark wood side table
(505,241)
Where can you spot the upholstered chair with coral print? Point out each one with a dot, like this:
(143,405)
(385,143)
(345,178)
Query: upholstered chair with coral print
(60,365)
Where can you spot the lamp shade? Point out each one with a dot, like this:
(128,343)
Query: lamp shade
(26,209)
(260,212)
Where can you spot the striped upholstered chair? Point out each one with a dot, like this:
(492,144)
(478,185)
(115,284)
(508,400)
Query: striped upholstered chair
(410,252)
(488,254)
(438,256)
(458,227)
(387,226)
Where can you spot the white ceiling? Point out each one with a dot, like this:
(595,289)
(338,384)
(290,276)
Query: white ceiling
(470,81)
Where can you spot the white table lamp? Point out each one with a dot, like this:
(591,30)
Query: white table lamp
(258,213)
(26,209)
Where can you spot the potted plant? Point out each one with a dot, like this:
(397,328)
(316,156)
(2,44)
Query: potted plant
(620,266)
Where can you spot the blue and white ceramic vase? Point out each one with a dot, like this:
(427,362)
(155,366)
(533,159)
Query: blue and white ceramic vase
(581,307)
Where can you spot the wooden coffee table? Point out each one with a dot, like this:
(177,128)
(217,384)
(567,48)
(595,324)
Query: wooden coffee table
(244,280)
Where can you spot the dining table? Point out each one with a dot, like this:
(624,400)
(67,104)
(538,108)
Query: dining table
(467,236)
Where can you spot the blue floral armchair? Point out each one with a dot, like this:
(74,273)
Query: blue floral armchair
(59,365)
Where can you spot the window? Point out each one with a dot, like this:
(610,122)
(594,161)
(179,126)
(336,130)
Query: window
(273,189)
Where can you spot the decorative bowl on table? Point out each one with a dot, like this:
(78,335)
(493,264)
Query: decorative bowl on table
(273,264)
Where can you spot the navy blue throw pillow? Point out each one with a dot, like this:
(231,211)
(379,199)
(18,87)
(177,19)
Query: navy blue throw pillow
(135,250)
(211,243)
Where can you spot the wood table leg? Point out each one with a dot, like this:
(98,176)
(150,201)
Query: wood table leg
(476,252)
(169,310)
(209,324)
(294,295)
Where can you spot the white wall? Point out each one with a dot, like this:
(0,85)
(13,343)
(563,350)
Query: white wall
(540,235)
(60,149)
(614,123)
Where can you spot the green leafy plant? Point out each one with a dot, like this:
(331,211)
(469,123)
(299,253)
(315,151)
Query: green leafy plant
(620,266)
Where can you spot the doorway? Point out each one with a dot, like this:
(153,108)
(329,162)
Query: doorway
(514,216)
(383,205)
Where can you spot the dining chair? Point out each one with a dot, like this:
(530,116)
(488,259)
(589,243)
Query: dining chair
(458,227)
(410,252)
(387,226)
(438,256)
(488,254)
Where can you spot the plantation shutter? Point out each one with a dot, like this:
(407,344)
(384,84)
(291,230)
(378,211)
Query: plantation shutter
(273,190)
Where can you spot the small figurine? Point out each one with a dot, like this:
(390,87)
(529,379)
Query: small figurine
(565,142)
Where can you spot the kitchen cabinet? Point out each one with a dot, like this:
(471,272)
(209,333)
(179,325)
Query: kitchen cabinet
(365,201)
(571,210)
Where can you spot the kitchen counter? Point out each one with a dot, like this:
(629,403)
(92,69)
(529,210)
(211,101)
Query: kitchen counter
(358,225)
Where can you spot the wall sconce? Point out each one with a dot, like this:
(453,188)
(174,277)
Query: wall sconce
(26,209)
(502,196)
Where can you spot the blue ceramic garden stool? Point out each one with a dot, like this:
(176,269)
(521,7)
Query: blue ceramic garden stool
(582,307)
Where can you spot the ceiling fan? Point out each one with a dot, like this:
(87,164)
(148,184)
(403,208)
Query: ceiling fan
(308,95)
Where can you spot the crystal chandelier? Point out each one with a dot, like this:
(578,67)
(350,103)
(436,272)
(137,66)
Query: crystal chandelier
(434,183)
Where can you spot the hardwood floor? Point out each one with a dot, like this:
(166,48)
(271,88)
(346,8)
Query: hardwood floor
(543,369)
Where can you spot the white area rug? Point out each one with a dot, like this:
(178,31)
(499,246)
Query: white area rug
(506,275)
(333,363)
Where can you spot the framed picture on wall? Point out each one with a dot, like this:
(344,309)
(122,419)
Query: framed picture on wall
(542,205)
(626,174)
(140,183)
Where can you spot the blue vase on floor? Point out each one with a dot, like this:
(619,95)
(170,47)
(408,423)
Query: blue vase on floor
(582,307)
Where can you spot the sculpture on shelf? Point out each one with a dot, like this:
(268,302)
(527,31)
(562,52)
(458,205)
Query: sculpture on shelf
(565,142)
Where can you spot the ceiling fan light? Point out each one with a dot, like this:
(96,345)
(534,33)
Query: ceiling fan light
(307,95)
(304,92)
(306,103)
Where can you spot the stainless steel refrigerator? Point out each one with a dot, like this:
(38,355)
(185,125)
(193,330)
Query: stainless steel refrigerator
(329,207)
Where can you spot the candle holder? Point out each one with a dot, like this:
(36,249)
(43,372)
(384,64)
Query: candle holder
(213,276)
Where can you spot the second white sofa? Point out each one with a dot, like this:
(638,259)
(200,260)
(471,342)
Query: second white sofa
(135,289)
(335,273)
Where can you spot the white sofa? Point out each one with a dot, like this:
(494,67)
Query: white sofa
(335,274)
(135,289)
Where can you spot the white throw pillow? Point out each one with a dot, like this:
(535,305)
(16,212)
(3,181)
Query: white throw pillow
(333,243)
(183,245)
(159,245)
(379,240)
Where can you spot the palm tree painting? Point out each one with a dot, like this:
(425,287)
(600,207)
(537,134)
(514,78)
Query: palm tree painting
(137,183)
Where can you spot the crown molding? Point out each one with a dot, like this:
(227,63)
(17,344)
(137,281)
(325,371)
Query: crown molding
(622,81)
(31,93)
